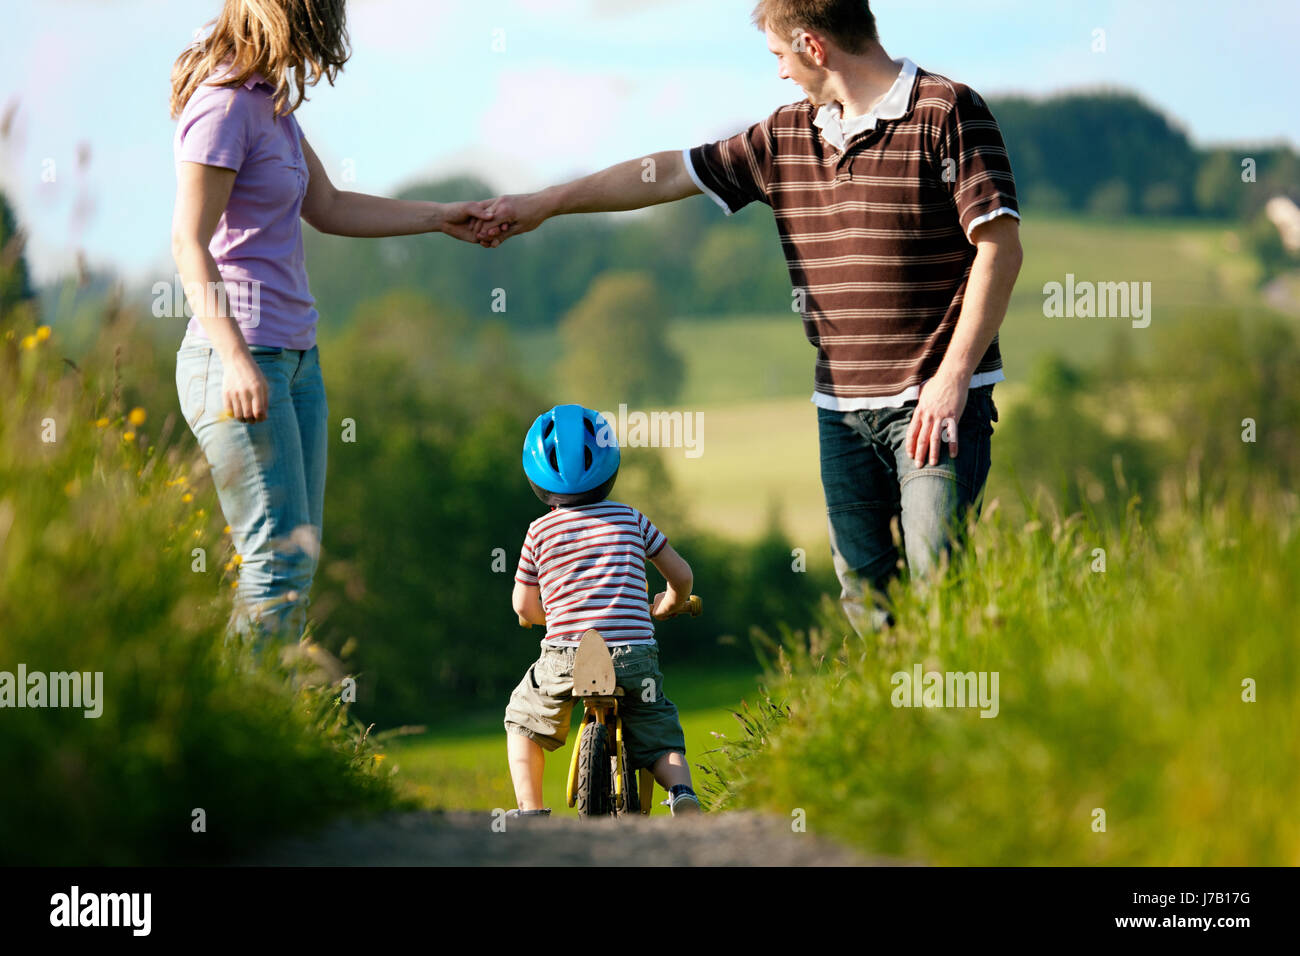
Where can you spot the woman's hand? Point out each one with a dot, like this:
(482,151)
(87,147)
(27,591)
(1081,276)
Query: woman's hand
(462,220)
(511,216)
(243,388)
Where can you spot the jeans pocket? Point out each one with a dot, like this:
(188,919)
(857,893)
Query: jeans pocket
(192,383)
(990,412)
(979,413)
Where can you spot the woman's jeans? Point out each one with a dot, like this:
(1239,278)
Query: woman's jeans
(269,476)
(869,480)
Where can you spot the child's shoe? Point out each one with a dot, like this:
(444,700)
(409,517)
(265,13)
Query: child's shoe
(683,801)
(527,816)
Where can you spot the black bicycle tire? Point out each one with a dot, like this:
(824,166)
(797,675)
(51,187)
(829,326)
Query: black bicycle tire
(594,790)
(631,788)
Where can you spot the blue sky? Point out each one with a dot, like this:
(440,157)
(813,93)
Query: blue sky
(580,84)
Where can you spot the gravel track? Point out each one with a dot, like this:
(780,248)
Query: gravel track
(461,838)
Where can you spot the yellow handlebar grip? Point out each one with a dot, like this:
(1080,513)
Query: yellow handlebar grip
(696,606)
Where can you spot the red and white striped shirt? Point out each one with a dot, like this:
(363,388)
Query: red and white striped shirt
(589,562)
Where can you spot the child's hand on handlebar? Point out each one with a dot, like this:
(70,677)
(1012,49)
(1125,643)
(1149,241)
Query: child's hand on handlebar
(669,604)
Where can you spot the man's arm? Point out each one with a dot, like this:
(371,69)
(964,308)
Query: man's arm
(635,184)
(988,292)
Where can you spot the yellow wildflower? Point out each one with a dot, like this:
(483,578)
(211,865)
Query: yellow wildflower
(136,417)
(42,333)
(101,423)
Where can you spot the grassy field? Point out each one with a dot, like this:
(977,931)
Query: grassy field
(751,376)
(1188,263)
(462,764)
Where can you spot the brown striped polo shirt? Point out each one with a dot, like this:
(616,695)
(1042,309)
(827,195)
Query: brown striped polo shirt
(876,233)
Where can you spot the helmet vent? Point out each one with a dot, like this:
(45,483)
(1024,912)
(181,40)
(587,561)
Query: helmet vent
(554,461)
(586,453)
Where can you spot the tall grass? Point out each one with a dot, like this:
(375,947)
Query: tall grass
(110,562)
(1120,690)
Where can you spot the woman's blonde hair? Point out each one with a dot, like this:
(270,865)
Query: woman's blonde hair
(292,43)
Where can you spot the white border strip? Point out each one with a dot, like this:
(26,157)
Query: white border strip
(822,400)
(690,168)
(1000,211)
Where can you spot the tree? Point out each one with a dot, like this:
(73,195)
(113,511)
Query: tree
(616,347)
(15,284)
(1110,199)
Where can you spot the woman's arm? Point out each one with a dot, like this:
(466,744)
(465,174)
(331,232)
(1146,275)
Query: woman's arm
(201,196)
(340,213)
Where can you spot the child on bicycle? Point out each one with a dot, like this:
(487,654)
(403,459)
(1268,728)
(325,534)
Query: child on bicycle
(583,566)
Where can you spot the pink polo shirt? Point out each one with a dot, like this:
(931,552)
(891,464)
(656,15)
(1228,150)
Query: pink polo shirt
(258,242)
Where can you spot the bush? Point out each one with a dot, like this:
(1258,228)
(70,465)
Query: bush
(99,573)
(1123,691)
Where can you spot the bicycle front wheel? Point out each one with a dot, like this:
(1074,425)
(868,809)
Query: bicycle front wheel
(631,794)
(595,797)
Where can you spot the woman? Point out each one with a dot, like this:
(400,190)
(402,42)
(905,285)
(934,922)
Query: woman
(247,372)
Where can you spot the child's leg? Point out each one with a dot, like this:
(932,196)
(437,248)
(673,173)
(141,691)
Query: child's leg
(537,720)
(527,761)
(671,770)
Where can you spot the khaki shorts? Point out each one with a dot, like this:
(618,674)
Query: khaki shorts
(541,707)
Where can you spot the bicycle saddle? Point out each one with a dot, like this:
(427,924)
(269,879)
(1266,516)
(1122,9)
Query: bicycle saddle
(593,668)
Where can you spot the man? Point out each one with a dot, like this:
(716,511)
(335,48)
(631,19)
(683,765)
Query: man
(895,202)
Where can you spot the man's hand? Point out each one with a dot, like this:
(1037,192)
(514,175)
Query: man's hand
(938,410)
(510,216)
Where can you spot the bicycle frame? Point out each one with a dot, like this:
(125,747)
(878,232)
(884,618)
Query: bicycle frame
(603,709)
(594,683)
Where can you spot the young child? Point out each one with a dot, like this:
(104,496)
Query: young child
(584,562)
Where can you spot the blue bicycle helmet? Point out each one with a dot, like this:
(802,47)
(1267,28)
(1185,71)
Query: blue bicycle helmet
(569,454)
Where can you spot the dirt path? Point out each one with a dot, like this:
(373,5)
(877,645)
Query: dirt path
(468,839)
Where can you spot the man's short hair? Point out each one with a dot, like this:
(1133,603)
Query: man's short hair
(850,23)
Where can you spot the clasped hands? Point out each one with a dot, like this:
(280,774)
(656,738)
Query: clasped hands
(493,221)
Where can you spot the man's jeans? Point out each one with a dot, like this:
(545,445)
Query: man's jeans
(269,476)
(869,479)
